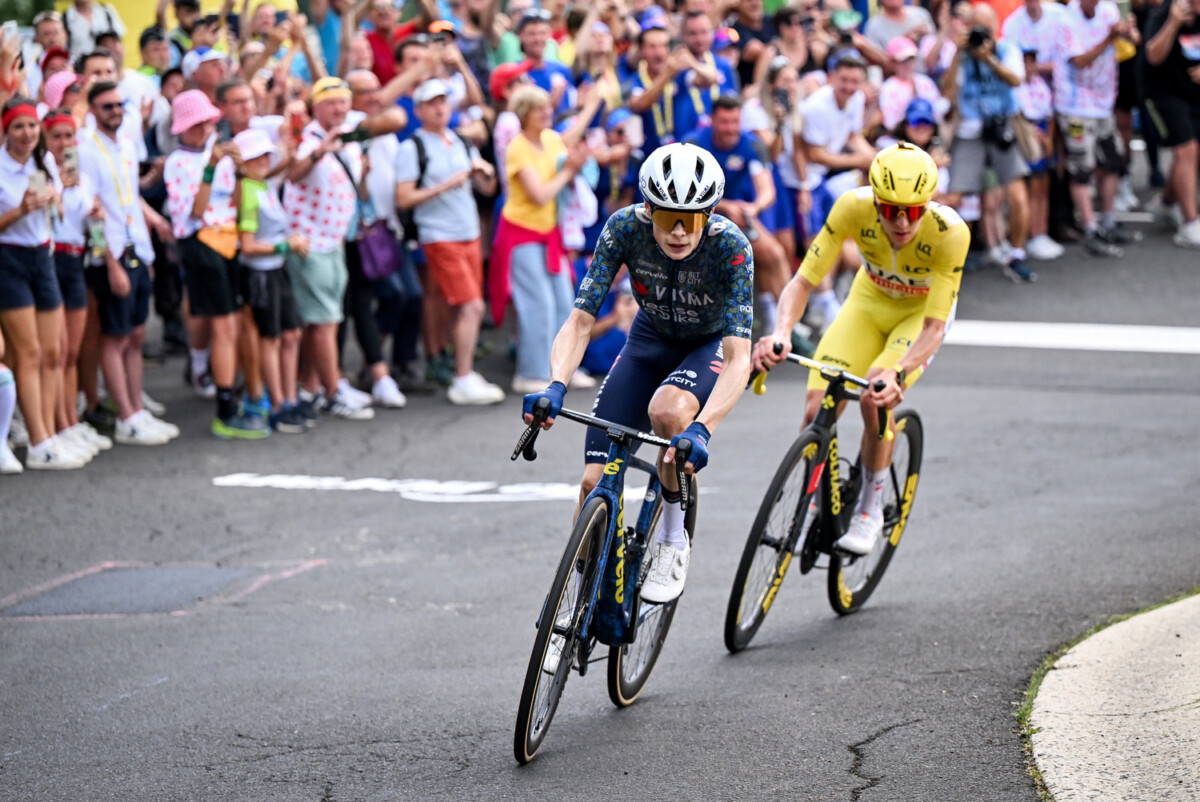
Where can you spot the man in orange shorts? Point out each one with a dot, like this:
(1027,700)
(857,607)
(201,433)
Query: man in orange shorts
(435,170)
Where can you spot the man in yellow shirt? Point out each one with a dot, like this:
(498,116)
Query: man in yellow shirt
(896,314)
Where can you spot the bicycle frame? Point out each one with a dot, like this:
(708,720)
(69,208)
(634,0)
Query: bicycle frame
(612,612)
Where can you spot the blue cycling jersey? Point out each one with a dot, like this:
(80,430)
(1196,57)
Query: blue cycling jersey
(710,292)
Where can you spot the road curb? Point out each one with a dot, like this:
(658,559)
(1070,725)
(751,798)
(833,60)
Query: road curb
(1118,715)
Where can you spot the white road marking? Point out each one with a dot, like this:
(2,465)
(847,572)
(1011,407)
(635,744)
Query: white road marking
(429,490)
(1075,336)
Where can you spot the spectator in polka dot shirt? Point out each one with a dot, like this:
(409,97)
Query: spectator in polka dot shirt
(320,198)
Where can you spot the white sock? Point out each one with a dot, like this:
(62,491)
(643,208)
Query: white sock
(871,500)
(1016,253)
(673,532)
(199,361)
(770,309)
(1109,219)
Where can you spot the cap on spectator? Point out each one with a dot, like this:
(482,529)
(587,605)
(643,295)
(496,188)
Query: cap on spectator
(434,87)
(533,15)
(194,58)
(151,34)
(443,26)
(43,16)
(901,48)
(920,112)
(191,108)
(601,27)
(617,118)
(503,76)
(56,86)
(725,37)
(54,52)
(253,143)
(848,57)
(254,47)
(653,22)
(330,88)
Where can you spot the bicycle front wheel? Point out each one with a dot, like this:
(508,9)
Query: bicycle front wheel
(557,641)
(629,666)
(853,579)
(777,534)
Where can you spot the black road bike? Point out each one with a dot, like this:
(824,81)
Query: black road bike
(808,507)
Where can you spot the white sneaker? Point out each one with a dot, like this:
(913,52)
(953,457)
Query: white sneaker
(387,394)
(71,438)
(352,395)
(48,456)
(1126,200)
(554,650)
(18,435)
(1167,215)
(8,460)
(137,431)
(863,535)
(1188,235)
(667,573)
(474,390)
(1043,248)
(89,432)
(581,381)
(998,254)
(157,409)
(340,407)
(169,429)
(522,385)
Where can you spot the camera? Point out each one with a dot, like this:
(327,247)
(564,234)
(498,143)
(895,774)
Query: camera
(977,37)
(998,130)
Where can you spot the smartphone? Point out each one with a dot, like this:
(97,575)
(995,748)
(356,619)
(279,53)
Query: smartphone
(281,17)
(360,134)
(37,182)
(70,161)
(783,98)
(11,30)
(233,23)
(1125,7)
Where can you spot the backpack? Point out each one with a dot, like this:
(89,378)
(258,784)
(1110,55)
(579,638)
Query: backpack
(407,221)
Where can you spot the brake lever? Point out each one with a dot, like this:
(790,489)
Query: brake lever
(885,433)
(682,452)
(541,410)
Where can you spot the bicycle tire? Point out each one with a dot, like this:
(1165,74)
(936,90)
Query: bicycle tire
(563,602)
(771,543)
(628,675)
(851,581)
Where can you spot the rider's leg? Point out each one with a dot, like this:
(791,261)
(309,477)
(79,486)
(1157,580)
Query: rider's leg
(591,477)
(672,409)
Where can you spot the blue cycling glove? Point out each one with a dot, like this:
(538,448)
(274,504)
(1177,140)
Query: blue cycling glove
(556,392)
(698,434)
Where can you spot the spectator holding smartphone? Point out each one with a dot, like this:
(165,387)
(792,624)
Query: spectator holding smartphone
(1173,89)
(30,301)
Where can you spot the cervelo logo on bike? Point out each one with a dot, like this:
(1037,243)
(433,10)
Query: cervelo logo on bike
(434,491)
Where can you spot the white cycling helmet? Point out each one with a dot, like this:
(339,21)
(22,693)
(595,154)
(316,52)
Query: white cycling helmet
(683,178)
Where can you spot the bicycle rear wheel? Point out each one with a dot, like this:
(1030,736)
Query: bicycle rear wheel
(557,639)
(774,538)
(853,579)
(629,666)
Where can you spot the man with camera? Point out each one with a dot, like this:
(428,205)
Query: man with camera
(1173,89)
(1085,96)
(980,82)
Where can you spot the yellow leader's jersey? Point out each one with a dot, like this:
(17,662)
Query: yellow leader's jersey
(927,269)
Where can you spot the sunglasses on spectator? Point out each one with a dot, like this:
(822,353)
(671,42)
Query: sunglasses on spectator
(894,211)
(667,219)
(112,106)
(536,15)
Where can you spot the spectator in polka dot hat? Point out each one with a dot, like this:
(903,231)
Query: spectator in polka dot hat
(201,180)
(320,196)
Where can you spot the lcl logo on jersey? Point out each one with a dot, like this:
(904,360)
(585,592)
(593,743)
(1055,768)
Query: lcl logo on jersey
(924,249)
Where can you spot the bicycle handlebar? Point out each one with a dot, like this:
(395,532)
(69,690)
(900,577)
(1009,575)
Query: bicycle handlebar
(541,411)
(758,383)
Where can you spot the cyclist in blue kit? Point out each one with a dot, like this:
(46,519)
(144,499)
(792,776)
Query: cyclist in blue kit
(687,358)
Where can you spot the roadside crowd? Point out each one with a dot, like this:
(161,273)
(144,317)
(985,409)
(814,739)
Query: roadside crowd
(273,182)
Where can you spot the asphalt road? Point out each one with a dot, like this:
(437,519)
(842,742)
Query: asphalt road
(369,643)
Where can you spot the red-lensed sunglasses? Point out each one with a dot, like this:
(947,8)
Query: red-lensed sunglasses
(892,211)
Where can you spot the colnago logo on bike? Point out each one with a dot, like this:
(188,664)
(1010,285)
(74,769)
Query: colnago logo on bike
(835,490)
(619,596)
(910,489)
(779,575)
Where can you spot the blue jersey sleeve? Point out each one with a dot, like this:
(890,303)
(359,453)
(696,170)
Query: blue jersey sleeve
(609,256)
(735,259)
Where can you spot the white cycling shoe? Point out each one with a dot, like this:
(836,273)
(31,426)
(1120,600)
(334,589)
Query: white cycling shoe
(863,535)
(667,573)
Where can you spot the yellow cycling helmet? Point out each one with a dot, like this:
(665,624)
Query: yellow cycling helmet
(904,174)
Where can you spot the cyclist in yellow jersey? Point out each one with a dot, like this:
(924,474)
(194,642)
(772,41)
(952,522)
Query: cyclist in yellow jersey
(899,305)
